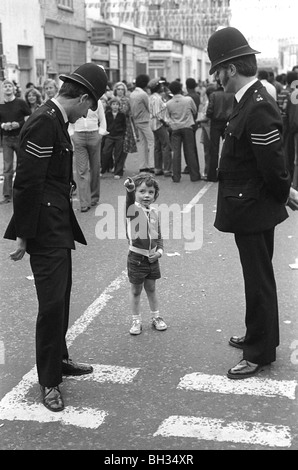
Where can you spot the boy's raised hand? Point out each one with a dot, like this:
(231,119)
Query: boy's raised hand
(129,184)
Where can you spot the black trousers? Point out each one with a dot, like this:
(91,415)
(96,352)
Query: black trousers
(52,272)
(261,319)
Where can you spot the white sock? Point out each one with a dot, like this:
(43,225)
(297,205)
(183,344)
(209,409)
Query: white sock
(137,317)
(155,314)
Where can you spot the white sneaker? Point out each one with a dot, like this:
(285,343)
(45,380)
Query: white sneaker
(136,328)
(159,323)
(117,177)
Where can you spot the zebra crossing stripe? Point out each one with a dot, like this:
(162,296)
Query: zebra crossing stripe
(83,417)
(15,405)
(252,386)
(113,374)
(244,432)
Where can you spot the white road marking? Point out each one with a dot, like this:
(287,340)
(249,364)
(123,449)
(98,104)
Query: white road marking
(196,199)
(252,386)
(94,309)
(113,374)
(244,432)
(83,417)
(15,406)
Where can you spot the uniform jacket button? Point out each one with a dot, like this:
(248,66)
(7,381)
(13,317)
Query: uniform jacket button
(49,203)
(240,194)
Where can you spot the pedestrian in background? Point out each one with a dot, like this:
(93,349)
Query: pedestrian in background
(139,103)
(159,125)
(44,223)
(86,134)
(13,113)
(33,98)
(50,89)
(191,86)
(181,111)
(112,151)
(254,186)
(204,123)
(218,111)
(130,138)
(263,76)
(145,248)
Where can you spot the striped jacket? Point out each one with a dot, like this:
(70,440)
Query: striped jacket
(142,227)
(253,181)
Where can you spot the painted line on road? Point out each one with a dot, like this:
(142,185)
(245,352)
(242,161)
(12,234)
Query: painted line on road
(15,406)
(106,373)
(209,429)
(196,199)
(251,386)
(94,309)
(90,418)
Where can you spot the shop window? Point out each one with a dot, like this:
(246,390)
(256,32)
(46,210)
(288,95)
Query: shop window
(24,55)
(65,4)
(49,48)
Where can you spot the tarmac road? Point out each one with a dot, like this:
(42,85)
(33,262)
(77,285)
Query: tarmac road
(160,391)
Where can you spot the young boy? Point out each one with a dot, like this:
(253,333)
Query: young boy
(145,247)
(116,126)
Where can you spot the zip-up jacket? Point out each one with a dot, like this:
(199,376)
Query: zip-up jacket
(142,227)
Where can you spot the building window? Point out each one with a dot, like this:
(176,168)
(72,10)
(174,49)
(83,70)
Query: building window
(49,48)
(65,4)
(24,54)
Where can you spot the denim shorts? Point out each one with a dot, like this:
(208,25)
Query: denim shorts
(139,268)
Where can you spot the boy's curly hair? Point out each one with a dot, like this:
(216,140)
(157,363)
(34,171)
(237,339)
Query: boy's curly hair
(149,180)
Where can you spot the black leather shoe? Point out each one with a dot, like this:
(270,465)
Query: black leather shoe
(70,367)
(237,341)
(52,398)
(243,370)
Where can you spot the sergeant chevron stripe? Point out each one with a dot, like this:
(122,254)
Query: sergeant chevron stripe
(37,151)
(265,139)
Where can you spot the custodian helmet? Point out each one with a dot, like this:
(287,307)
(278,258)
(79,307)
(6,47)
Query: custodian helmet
(225,44)
(92,76)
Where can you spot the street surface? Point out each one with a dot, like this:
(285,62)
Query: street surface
(159,391)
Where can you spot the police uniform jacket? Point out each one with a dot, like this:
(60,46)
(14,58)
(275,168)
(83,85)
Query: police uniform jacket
(253,181)
(43,212)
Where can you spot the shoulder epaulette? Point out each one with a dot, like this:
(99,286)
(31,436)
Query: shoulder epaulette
(258,96)
(51,112)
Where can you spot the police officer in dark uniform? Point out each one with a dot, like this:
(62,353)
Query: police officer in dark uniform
(44,224)
(253,189)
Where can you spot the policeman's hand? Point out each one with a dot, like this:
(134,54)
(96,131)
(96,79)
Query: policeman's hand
(15,125)
(7,126)
(292,201)
(18,254)
(129,184)
(294,194)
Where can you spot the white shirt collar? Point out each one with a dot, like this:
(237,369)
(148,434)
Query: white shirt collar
(61,109)
(242,90)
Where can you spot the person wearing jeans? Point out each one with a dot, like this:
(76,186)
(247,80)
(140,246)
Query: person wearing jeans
(86,140)
(12,118)
(139,103)
(181,111)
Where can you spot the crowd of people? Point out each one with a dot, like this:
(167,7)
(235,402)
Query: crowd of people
(158,120)
(97,125)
